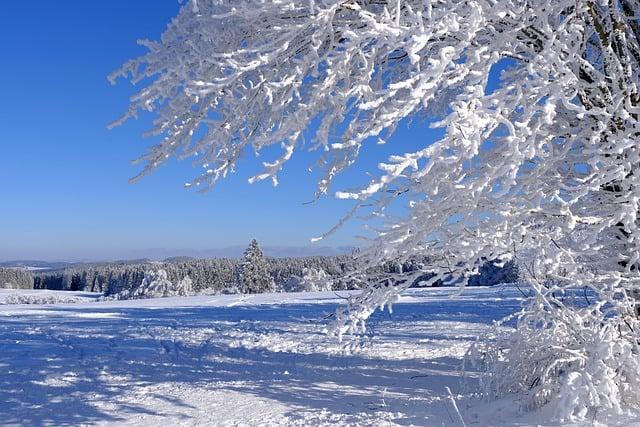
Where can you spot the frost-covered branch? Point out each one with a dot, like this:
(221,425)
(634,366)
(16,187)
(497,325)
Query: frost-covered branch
(544,165)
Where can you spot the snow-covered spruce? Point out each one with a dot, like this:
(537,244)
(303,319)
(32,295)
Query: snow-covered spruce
(253,272)
(543,163)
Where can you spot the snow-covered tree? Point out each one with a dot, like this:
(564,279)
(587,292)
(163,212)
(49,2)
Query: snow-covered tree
(184,286)
(312,280)
(15,278)
(156,284)
(540,166)
(253,271)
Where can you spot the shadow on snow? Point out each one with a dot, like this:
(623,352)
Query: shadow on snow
(58,364)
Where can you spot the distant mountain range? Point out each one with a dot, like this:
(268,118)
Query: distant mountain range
(35,264)
(162,254)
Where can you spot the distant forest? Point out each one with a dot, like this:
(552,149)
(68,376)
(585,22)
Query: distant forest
(216,275)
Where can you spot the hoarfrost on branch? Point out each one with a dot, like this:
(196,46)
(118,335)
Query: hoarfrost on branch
(542,169)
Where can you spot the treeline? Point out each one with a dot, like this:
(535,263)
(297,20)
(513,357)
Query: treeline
(16,278)
(222,275)
(216,275)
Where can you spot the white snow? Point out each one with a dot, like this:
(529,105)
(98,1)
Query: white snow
(246,360)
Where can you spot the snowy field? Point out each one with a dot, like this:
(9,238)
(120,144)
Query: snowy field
(245,360)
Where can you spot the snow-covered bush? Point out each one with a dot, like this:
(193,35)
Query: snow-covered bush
(312,280)
(155,284)
(40,299)
(491,274)
(570,356)
(539,107)
(231,289)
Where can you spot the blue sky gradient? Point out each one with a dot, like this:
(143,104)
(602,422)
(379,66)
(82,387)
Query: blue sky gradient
(63,175)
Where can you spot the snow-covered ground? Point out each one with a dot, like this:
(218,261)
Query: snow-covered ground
(245,360)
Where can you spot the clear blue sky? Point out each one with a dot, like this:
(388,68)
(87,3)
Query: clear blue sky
(63,175)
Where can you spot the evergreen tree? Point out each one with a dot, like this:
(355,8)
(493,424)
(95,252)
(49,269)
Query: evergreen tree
(15,278)
(253,271)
